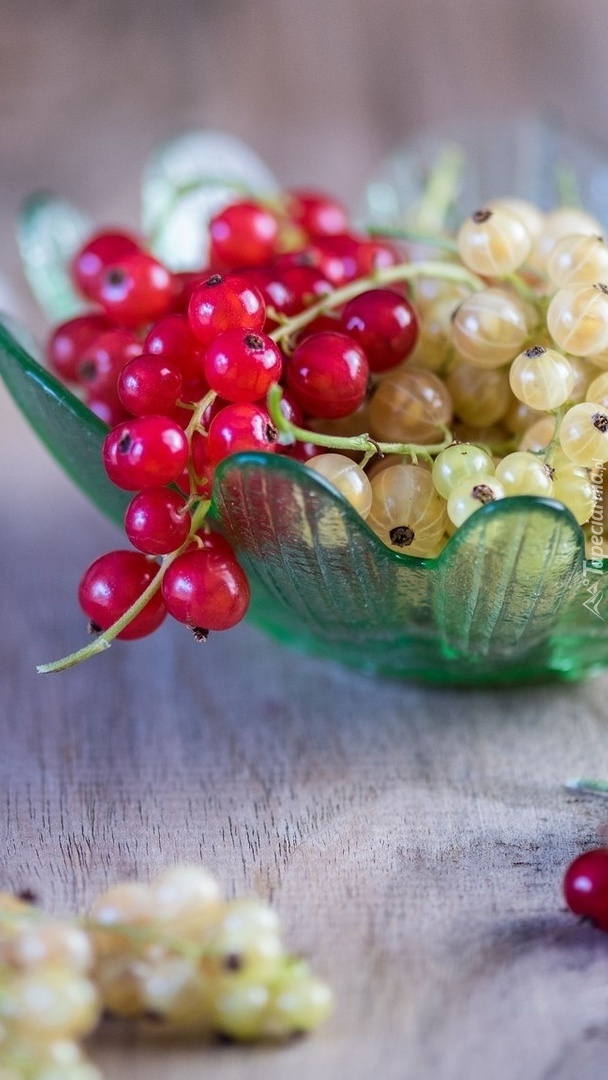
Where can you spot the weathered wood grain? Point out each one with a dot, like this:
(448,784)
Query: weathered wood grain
(413,840)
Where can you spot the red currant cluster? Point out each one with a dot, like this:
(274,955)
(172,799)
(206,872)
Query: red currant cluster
(180,366)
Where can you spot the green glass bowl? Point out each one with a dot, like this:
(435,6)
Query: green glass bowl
(509,600)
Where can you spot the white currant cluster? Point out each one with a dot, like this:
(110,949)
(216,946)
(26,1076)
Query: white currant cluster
(48,1001)
(512,376)
(172,956)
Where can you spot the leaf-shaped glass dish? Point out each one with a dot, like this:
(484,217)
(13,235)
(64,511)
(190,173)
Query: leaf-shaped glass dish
(510,598)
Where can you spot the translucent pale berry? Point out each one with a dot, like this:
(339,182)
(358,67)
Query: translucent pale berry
(527,212)
(242,365)
(457,463)
(565,221)
(586,886)
(577,318)
(243,234)
(112,584)
(542,378)
(522,473)
(148,451)
(407,512)
(156,521)
(221,303)
(471,495)
(598,390)
(573,487)
(328,374)
(384,324)
(410,405)
(206,590)
(489,327)
(148,384)
(583,434)
(493,242)
(578,258)
(480,396)
(347,477)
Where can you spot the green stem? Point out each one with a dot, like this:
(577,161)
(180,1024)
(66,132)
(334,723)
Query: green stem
(387,275)
(559,416)
(440,189)
(363,443)
(588,787)
(414,236)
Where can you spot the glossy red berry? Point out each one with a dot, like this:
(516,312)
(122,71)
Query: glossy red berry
(243,234)
(135,290)
(148,451)
(68,342)
(242,365)
(317,214)
(111,413)
(328,375)
(206,589)
(112,584)
(237,428)
(221,303)
(102,362)
(148,384)
(338,258)
(156,521)
(375,255)
(173,339)
(384,324)
(586,886)
(100,251)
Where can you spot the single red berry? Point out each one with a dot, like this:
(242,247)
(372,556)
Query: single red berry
(156,521)
(307,285)
(375,255)
(222,303)
(242,365)
(100,251)
(135,290)
(148,451)
(112,413)
(173,339)
(317,214)
(112,584)
(69,340)
(102,362)
(240,427)
(384,324)
(586,886)
(206,589)
(328,375)
(243,234)
(338,258)
(184,284)
(148,384)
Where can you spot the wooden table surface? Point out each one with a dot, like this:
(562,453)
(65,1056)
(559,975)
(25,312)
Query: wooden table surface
(413,840)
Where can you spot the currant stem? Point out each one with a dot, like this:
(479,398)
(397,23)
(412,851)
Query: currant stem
(588,787)
(364,442)
(414,236)
(440,188)
(387,275)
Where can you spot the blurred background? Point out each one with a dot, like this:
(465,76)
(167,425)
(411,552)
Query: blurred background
(323,90)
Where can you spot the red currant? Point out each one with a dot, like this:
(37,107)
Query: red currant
(148,384)
(243,234)
(338,258)
(173,339)
(148,451)
(101,363)
(384,324)
(100,251)
(156,521)
(69,340)
(206,589)
(586,886)
(375,255)
(112,413)
(242,365)
(135,290)
(221,303)
(240,427)
(328,375)
(317,214)
(112,584)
